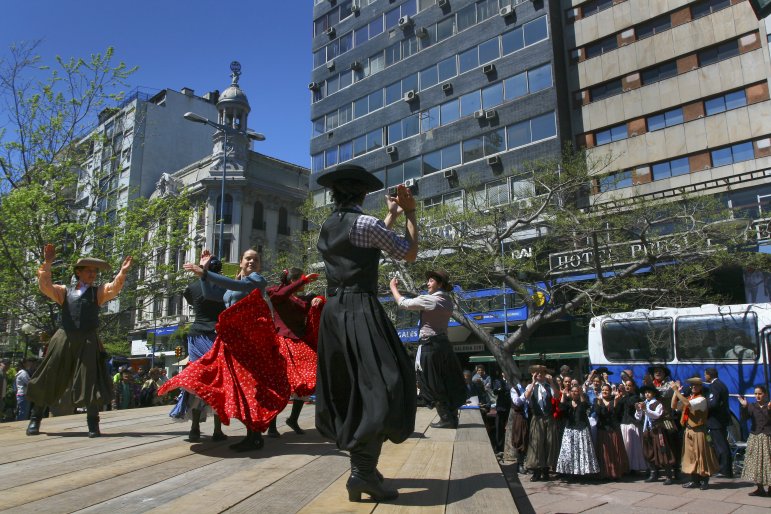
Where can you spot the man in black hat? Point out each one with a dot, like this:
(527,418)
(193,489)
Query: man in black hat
(74,358)
(365,390)
(718,420)
(440,375)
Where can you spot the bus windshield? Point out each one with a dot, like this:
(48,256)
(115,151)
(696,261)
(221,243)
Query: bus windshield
(717,336)
(641,339)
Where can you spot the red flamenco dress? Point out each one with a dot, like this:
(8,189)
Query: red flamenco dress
(240,377)
(297,328)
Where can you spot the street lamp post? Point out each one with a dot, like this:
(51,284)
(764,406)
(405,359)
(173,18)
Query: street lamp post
(226,130)
(27,330)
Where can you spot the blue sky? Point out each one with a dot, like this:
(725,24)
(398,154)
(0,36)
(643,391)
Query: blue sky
(191,44)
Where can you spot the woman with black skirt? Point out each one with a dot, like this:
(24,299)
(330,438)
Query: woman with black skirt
(365,389)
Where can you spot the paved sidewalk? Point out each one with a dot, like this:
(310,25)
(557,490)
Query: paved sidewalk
(632,495)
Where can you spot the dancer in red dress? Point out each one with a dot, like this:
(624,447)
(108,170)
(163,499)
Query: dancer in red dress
(242,376)
(297,321)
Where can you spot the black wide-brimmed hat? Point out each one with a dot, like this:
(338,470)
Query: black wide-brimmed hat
(603,369)
(92,261)
(440,275)
(643,389)
(350,173)
(653,368)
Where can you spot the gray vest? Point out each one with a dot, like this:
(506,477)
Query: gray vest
(80,312)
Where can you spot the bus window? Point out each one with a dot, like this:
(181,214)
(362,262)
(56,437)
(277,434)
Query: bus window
(638,340)
(716,336)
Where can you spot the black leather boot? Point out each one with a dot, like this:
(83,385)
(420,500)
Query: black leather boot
(273,429)
(693,483)
(670,477)
(364,475)
(218,434)
(654,475)
(92,419)
(445,418)
(93,426)
(252,441)
(35,418)
(291,421)
(704,483)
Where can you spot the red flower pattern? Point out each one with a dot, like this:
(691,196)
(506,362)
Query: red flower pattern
(244,374)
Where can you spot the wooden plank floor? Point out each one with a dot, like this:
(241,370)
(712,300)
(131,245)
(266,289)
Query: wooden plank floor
(143,464)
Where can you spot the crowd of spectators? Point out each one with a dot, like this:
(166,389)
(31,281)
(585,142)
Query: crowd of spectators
(131,389)
(594,427)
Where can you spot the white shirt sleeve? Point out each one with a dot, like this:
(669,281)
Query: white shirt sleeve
(516,398)
(657,411)
(419,303)
(698,404)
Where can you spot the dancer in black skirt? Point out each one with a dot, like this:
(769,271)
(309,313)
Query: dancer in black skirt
(440,376)
(365,389)
(74,353)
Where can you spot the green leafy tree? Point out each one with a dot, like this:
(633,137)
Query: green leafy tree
(556,223)
(48,195)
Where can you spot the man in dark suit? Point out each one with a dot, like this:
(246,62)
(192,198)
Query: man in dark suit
(718,419)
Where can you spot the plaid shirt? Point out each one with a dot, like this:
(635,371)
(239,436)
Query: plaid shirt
(370,232)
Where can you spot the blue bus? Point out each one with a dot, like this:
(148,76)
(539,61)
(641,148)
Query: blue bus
(485,306)
(734,339)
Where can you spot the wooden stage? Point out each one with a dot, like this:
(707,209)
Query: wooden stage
(142,463)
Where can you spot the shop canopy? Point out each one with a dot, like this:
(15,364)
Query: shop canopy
(534,356)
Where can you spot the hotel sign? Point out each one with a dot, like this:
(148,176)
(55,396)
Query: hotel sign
(614,255)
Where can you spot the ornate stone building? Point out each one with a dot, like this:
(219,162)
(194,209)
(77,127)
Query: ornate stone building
(262,200)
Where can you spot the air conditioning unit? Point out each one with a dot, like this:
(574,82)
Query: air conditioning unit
(355,7)
(356,65)
(491,114)
(410,182)
(488,69)
(421,32)
(506,10)
(447,87)
(494,160)
(451,174)
(314,86)
(330,32)
(443,3)
(405,21)
(391,150)
(410,95)
(331,64)
(479,114)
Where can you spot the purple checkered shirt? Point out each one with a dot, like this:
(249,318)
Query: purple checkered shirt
(370,232)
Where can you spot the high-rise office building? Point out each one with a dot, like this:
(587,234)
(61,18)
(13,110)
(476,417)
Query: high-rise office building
(451,96)
(674,94)
(444,94)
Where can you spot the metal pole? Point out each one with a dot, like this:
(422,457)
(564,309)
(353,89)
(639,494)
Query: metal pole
(222,193)
(505,307)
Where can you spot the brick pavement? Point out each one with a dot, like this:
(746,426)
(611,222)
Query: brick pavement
(632,496)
